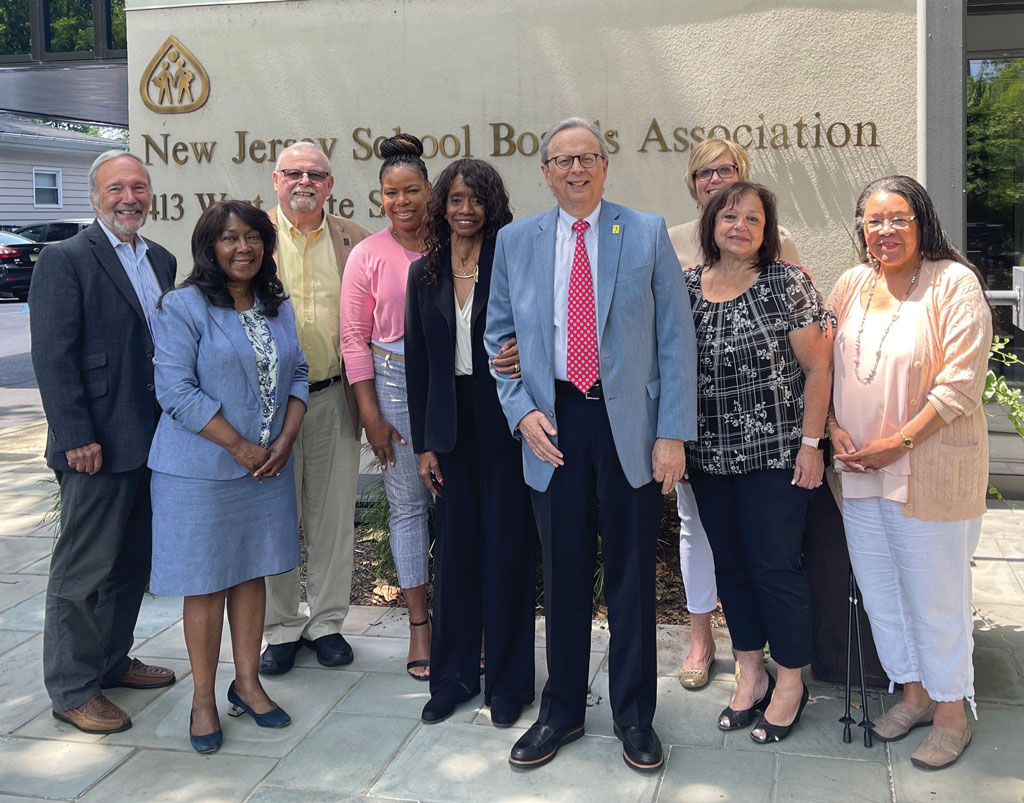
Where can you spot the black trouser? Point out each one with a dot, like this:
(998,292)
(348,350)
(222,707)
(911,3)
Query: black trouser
(755,524)
(587,496)
(98,574)
(485,568)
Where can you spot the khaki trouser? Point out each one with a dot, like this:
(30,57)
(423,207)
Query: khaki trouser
(326,476)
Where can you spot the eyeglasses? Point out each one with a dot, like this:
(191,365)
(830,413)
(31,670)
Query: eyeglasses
(315,176)
(564,162)
(725,172)
(898,223)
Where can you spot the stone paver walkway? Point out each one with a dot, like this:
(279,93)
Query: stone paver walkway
(357,736)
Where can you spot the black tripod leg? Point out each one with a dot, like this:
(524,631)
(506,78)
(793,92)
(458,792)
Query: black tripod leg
(848,720)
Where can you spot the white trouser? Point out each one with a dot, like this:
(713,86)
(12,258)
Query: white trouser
(915,580)
(695,558)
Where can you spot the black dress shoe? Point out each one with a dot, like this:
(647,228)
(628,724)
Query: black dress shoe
(641,748)
(331,650)
(540,744)
(439,707)
(279,658)
(730,719)
(505,713)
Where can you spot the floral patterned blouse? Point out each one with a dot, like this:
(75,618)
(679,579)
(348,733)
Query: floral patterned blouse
(265,349)
(750,387)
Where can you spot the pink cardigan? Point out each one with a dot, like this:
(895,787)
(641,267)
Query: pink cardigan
(372,300)
(949,470)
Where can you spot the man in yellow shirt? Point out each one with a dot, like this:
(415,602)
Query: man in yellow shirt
(312,248)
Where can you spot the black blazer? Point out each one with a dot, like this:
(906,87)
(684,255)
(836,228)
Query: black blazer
(92,350)
(430,360)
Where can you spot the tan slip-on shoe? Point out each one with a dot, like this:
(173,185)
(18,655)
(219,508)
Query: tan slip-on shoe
(900,720)
(142,676)
(99,715)
(940,748)
(693,679)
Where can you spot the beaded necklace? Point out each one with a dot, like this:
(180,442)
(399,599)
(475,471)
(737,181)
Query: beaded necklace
(895,317)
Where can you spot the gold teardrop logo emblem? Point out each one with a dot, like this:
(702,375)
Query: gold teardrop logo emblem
(174,82)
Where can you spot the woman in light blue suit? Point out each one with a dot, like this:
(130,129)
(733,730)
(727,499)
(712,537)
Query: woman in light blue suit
(231,380)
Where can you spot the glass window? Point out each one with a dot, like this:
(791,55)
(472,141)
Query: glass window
(46,185)
(15,39)
(69,26)
(116,38)
(995,181)
(61,231)
(33,233)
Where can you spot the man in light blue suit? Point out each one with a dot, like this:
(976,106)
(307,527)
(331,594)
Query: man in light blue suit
(594,294)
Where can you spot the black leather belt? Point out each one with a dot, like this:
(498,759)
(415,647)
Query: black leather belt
(596,392)
(323,384)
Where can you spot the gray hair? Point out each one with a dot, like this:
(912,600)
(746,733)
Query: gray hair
(103,158)
(570,122)
(301,145)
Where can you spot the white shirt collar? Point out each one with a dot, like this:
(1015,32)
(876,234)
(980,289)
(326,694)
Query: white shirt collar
(565,220)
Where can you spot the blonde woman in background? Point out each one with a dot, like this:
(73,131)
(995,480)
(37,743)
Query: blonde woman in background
(714,165)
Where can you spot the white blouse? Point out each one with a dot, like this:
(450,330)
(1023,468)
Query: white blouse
(463,336)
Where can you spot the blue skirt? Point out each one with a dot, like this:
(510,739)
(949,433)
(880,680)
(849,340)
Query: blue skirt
(209,535)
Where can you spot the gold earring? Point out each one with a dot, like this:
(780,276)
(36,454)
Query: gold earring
(382,210)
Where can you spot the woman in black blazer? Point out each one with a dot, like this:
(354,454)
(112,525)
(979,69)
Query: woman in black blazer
(484,560)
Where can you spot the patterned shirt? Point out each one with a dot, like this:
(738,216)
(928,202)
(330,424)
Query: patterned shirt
(750,387)
(265,348)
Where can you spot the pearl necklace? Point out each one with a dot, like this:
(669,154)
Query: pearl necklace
(895,317)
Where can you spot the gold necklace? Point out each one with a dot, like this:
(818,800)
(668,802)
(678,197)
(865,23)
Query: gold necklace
(863,320)
(473,274)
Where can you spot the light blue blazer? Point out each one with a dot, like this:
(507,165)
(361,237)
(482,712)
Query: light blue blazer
(645,328)
(204,365)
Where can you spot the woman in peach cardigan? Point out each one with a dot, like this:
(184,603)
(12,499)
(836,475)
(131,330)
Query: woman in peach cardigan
(910,438)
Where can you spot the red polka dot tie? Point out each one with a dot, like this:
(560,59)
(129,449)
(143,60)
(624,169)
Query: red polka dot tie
(581,366)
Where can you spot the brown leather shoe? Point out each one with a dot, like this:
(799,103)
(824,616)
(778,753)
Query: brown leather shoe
(99,715)
(899,720)
(940,749)
(142,676)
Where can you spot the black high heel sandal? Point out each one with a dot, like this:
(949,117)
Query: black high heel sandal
(740,719)
(423,661)
(776,733)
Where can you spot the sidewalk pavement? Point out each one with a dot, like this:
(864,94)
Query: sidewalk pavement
(357,736)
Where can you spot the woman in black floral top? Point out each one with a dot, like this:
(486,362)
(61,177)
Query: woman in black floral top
(763,379)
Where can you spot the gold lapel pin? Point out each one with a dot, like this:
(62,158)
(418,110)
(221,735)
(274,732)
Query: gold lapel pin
(616,229)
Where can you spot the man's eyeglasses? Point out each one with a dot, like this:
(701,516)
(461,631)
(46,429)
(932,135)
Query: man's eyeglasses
(564,162)
(315,176)
(725,172)
(898,223)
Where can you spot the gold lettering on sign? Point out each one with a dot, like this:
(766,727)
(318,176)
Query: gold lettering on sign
(174,82)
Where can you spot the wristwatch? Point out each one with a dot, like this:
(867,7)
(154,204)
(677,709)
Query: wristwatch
(812,442)
(908,442)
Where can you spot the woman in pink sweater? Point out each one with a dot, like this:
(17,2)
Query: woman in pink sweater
(372,347)
(909,434)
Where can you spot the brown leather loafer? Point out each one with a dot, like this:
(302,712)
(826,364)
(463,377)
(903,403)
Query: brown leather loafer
(142,676)
(99,715)
(899,720)
(940,749)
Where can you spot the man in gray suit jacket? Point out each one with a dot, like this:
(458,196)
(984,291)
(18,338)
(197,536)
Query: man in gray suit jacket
(91,300)
(595,295)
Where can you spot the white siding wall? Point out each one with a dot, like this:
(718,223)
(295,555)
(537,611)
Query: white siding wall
(16,196)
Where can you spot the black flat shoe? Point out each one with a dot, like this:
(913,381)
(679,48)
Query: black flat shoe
(776,733)
(641,748)
(439,707)
(331,650)
(740,719)
(540,744)
(423,662)
(505,713)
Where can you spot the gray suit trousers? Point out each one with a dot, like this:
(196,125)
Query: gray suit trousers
(98,574)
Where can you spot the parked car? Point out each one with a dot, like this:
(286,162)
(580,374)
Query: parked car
(17,258)
(53,231)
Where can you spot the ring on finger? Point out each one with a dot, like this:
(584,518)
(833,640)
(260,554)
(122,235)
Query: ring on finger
(517,368)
